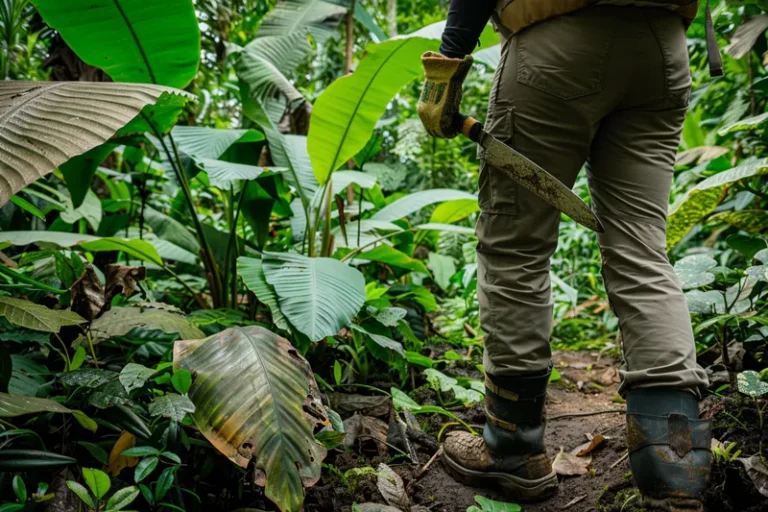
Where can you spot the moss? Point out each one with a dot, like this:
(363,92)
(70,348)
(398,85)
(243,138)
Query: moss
(619,498)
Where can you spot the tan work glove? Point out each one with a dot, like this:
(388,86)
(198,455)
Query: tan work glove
(441,96)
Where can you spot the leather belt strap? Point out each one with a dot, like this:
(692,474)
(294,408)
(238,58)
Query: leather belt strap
(713,50)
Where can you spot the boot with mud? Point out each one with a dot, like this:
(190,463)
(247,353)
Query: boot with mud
(669,448)
(510,456)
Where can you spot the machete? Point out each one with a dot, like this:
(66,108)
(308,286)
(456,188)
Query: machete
(528,175)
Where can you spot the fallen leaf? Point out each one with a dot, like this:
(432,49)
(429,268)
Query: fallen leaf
(347,405)
(366,428)
(122,279)
(391,487)
(587,448)
(373,507)
(568,464)
(609,376)
(118,462)
(757,472)
(87,294)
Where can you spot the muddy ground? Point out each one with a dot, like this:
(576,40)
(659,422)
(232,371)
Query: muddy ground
(589,384)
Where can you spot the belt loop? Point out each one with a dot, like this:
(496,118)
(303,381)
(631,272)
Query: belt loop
(713,50)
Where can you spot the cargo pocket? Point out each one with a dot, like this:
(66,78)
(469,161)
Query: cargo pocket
(670,33)
(497,192)
(565,56)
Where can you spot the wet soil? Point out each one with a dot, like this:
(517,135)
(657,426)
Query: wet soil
(586,387)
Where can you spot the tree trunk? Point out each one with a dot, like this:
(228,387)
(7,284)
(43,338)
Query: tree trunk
(350,22)
(392,17)
(66,66)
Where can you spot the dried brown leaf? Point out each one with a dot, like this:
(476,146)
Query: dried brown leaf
(589,447)
(124,280)
(757,472)
(391,487)
(87,294)
(366,429)
(568,464)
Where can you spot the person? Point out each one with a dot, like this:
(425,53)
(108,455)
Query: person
(579,81)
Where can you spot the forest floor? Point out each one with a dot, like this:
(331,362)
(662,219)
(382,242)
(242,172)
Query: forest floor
(589,383)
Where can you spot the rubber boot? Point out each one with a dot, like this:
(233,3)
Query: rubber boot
(510,456)
(669,448)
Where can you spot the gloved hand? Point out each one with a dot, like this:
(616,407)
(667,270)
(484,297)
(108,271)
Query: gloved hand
(441,96)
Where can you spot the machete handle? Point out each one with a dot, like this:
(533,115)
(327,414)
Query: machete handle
(470,127)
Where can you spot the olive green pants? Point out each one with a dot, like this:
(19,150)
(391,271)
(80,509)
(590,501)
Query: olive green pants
(606,86)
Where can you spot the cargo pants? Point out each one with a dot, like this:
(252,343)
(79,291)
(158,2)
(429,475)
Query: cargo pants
(608,87)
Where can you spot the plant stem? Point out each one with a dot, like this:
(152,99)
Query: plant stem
(16,276)
(209,261)
(327,238)
(357,251)
(65,353)
(232,245)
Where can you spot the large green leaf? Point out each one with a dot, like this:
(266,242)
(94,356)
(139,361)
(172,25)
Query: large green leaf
(132,40)
(693,271)
(752,221)
(223,174)
(77,117)
(319,296)
(418,200)
(119,321)
(79,171)
(750,123)
(702,199)
(203,142)
(347,111)
(36,317)
(390,256)
(252,273)
(137,248)
(751,384)
(168,228)
(12,405)
(319,17)
(488,505)
(256,397)
(287,151)
(263,64)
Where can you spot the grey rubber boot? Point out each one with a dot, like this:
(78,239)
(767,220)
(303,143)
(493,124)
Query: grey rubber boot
(510,456)
(669,448)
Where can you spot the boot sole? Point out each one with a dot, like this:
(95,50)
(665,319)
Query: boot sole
(512,486)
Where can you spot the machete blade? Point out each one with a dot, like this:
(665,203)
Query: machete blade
(538,181)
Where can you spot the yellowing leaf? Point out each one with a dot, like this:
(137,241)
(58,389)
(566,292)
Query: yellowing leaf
(256,398)
(119,462)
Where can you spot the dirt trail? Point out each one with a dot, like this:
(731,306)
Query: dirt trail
(564,397)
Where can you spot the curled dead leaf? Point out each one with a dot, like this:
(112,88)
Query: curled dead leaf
(366,429)
(757,472)
(587,448)
(122,279)
(391,487)
(349,404)
(87,294)
(569,464)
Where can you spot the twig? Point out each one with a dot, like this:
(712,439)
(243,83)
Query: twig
(621,459)
(573,502)
(582,414)
(384,443)
(420,473)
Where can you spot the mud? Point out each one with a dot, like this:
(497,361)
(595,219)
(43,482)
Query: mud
(585,387)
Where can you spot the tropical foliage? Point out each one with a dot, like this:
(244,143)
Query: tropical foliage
(220,215)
